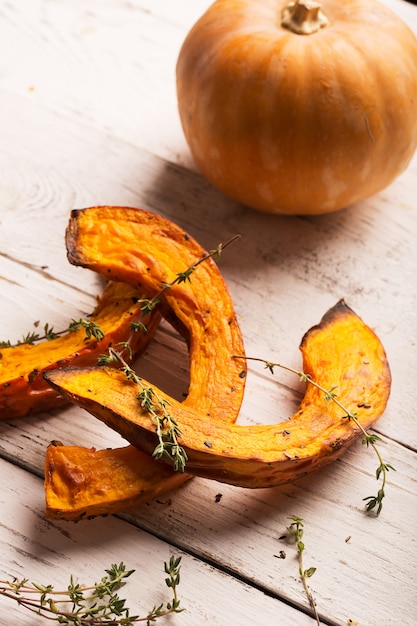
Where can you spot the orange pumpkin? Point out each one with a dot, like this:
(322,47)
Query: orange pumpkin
(297,109)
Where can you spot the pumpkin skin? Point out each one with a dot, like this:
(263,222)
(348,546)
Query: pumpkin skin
(299,124)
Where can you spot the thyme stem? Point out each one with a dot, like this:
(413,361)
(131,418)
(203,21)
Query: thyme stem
(95,605)
(373,502)
(92,330)
(148,305)
(167,429)
(296,531)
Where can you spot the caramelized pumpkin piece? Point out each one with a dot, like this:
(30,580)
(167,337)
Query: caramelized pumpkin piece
(84,482)
(340,353)
(147,250)
(23,390)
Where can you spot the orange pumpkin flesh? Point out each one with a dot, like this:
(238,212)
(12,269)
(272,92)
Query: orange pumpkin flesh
(299,124)
(147,250)
(82,483)
(23,389)
(341,353)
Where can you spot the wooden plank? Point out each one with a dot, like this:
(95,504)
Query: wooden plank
(257,255)
(241,531)
(244,528)
(49,553)
(275,269)
(89,116)
(111,65)
(28,297)
(108,65)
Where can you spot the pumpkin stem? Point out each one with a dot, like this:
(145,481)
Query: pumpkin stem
(303,17)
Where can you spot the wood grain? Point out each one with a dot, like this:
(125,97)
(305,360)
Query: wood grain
(51,548)
(88,116)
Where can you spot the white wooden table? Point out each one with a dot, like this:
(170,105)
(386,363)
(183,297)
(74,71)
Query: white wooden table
(88,116)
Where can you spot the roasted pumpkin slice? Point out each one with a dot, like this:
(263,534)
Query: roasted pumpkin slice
(341,353)
(82,483)
(23,390)
(147,250)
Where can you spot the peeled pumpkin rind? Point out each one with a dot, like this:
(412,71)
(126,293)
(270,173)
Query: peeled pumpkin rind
(24,391)
(340,353)
(144,249)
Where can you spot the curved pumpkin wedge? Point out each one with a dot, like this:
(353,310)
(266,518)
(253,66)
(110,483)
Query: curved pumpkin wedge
(341,352)
(147,250)
(23,390)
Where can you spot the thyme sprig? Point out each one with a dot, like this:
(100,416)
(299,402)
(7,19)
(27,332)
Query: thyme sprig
(149,304)
(369,439)
(167,429)
(94,605)
(296,531)
(92,330)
